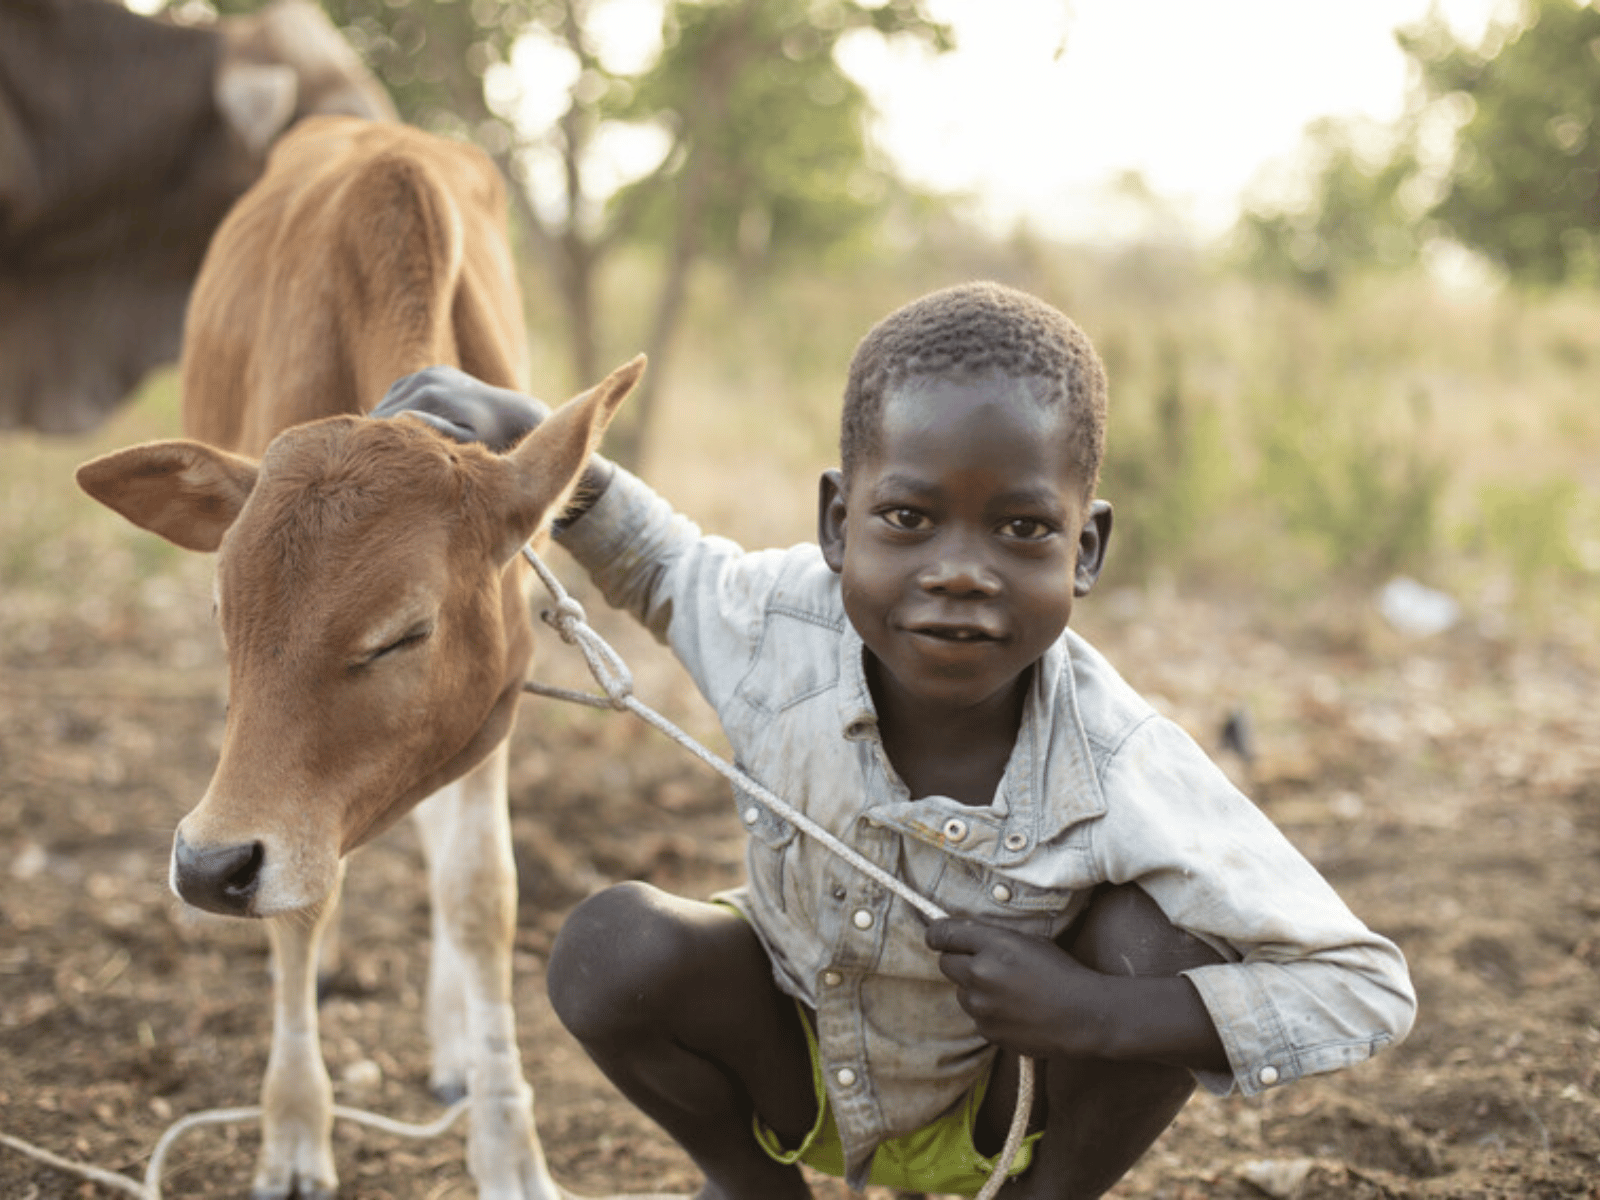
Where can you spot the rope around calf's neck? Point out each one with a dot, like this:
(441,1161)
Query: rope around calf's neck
(568,619)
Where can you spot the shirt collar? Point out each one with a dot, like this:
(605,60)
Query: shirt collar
(858,718)
(1051,776)
(1050,782)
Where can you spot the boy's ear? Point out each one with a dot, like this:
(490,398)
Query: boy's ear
(187,492)
(830,518)
(1092,541)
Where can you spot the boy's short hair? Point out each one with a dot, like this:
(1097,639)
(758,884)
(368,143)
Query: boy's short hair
(973,329)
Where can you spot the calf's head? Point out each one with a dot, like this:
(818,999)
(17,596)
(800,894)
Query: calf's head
(375,646)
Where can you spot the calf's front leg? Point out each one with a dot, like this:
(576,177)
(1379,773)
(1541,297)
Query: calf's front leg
(296,1095)
(467,838)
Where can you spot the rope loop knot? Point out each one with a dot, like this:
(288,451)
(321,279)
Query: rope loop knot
(569,620)
(566,618)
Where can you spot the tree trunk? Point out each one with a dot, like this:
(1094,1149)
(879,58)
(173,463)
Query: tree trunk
(628,444)
(725,59)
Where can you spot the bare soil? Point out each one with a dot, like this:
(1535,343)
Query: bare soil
(1450,789)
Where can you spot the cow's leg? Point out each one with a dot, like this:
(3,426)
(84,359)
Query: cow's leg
(474,885)
(296,1095)
(447,993)
(330,953)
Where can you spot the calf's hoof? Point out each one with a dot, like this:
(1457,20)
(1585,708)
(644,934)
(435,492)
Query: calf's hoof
(300,1170)
(296,1189)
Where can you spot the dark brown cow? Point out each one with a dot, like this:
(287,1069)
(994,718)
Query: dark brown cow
(123,143)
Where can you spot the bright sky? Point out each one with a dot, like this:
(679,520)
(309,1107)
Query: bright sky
(1044,101)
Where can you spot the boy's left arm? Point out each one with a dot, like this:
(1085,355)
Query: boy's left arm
(1306,987)
(1031,996)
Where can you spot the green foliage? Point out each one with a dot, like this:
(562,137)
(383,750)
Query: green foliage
(432,55)
(1366,497)
(1530,528)
(1356,218)
(1524,188)
(1168,471)
(771,132)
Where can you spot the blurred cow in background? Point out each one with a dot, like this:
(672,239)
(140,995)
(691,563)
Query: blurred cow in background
(123,142)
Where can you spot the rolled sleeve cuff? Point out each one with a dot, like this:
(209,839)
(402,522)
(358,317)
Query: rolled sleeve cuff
(1259,1048)
(611,523)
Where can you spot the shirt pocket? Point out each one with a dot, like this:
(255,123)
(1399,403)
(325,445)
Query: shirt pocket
(770,847)
(983,894)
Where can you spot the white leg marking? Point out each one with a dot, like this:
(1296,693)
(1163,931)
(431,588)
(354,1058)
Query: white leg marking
(296,1094)
(474,886)
(446,1013)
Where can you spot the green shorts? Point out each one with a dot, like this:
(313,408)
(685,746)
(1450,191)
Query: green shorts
(939,1158)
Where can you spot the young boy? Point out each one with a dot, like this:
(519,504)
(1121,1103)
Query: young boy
(1121,913)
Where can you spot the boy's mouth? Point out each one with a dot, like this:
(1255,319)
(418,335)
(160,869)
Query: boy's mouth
(955,633)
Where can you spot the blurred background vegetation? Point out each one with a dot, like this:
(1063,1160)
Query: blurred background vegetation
(1395,374)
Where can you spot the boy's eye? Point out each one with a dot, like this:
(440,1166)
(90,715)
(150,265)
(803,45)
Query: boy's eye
(908,519)
(1027,529)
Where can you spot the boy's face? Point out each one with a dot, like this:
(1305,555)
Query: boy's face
(963,541)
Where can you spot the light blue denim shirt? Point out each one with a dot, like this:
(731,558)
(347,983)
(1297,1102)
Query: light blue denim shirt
(1099,788)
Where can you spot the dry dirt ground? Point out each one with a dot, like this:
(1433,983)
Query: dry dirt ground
(1450,788)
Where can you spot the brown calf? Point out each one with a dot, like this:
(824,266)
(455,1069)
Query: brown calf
(368,590)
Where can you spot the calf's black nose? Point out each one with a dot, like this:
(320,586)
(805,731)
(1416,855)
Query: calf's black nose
(219,879)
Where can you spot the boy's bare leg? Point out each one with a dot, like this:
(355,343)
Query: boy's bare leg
(674,1000)
(1099,1117)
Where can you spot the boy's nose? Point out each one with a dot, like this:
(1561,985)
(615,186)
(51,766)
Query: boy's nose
(960,575)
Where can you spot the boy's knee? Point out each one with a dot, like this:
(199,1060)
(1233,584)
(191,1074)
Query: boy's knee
(608,955)
(1126,933)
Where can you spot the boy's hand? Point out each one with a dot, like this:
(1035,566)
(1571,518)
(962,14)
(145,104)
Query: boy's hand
(464,408)
(1024,993)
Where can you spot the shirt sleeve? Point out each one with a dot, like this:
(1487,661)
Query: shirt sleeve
(1308,988)
(702,595)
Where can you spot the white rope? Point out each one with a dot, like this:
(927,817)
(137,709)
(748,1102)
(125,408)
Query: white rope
(611,673)
(150,1189)
(110,1179)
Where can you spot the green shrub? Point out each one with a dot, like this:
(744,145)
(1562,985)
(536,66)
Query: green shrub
(1366,497)
(1530,528)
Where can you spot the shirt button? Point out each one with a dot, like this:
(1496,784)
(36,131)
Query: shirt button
(832,978)
(846,1077)
(1016,841)
(862,919)
(1268,1076)
(1000,892)
(955,830)
(752,815)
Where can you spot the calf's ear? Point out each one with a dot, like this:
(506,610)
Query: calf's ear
(547,464)
(187,492)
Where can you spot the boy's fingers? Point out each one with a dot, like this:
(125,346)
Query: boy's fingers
(954,936)
(406,394)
